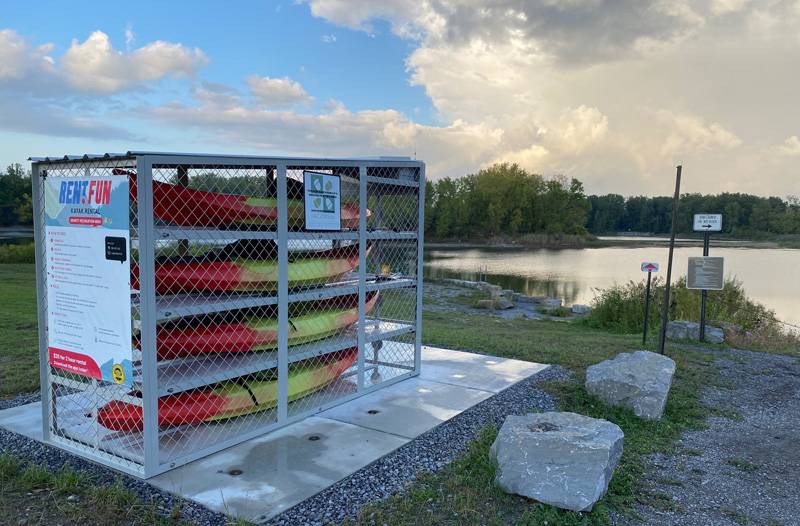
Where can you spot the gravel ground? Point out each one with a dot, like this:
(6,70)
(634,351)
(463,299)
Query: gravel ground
(379,480)
(742,469)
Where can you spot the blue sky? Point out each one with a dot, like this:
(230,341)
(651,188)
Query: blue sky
(275,39)
(613,92)
(272,39)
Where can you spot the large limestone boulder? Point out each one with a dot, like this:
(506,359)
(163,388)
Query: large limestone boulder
(562,459)
(485,304)
(689,330)
(504,304)
(639,381)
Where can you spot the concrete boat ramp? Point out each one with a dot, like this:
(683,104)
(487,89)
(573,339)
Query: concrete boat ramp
(264,476)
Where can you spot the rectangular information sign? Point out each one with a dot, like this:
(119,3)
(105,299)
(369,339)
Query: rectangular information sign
(323,201)
(705,273)
(87,241)
(708,222)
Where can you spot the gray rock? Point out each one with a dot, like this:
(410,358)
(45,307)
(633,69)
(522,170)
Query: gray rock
(580,309)
(527,299)
(639,381)
(562,459)
(503,304)
(485,304)
(507,294)
(493,290)
(549,302)
(690,330)
(516,297)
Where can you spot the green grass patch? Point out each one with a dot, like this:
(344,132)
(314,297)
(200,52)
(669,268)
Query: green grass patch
(23,253)
(19,357)
(558,312)
(743,465)
(32,493)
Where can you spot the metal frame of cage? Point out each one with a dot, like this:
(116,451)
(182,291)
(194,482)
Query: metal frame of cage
(389,193)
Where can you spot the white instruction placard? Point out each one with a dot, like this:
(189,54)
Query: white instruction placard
(87,251)
(323,201)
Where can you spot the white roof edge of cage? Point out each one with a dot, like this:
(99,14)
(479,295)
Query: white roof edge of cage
(134,153)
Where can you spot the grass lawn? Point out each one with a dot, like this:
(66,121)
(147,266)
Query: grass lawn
(19,358)
(30,494)
(464,492)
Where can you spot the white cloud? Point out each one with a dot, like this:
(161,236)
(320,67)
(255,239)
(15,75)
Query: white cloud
(130,37)
(277,92)
(688,134)
(790,147)
(95,66)
(721,7)
(18,58)
(612,92)
(328,39)
(69,97)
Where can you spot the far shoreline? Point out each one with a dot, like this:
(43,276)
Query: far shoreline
(601,242)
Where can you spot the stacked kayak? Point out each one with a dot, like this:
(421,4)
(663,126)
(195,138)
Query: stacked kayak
(244,332)
(248,266)
(186,206)
(244,266)
(237,397)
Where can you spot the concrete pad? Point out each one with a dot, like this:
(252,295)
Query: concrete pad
(24,419)
(476,371)
(262,477)
(408,408)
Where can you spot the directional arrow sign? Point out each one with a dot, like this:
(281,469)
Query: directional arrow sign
(649,267)
(707,222)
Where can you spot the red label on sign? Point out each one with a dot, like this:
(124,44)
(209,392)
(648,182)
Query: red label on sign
(73,362)
(83,220)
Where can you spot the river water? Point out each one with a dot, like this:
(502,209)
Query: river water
(770,276)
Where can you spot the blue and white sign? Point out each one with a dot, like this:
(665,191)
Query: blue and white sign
(87,251)
(323,201)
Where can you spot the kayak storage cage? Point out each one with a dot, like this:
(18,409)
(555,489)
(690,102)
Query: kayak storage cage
(261,290)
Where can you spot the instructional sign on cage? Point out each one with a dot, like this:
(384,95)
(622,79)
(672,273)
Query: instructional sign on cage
(323,210)
(87,240)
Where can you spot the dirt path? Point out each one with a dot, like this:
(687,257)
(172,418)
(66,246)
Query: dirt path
(745,467)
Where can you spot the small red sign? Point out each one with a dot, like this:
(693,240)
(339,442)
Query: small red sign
(649,267)
(84,220)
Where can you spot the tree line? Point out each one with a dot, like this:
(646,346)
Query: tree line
(15,196)
(507,200)
(504,199)
(743,215)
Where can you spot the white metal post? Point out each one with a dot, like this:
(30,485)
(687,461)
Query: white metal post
(41,298)
(283,293)
(147,313)
(362,271)
(420,281)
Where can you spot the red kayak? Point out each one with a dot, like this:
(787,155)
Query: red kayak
(186,206)
(248,266)
(245,395)
(235,332)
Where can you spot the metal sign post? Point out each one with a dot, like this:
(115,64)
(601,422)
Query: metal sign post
(649,268)
(665,307)
(706,223)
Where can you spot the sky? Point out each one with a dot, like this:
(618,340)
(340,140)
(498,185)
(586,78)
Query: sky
(613,92)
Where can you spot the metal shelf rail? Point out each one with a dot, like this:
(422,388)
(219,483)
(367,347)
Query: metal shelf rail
(366,304)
